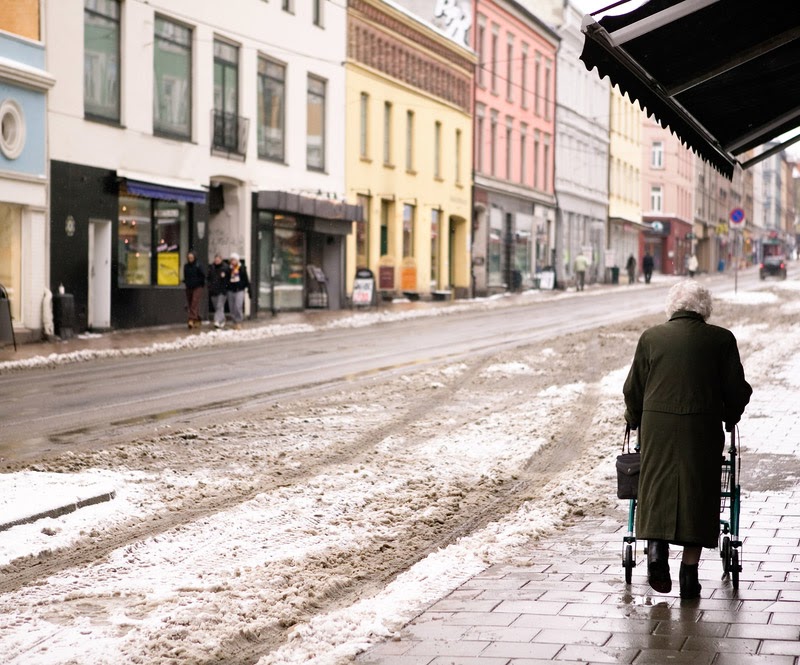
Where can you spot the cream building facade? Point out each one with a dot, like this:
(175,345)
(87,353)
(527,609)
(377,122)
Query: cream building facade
(409,152)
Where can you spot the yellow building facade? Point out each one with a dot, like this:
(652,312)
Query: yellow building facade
(408,152)
(625,174)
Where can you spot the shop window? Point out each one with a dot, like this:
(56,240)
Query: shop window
(435,236)
(408,230)
(172,96)
(362,233)
(152,236)
(101,59)
(271,109)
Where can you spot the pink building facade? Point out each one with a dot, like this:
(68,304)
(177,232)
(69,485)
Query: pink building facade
(667,199)
(514,152)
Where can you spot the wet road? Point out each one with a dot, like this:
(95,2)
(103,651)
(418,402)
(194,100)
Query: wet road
(96,403)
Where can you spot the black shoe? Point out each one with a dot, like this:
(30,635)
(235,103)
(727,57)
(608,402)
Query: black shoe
(690,587)
(658,566)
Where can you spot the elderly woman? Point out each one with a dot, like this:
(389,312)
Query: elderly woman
(685,381)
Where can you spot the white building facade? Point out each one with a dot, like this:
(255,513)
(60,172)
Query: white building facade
(582,156)
(193,127)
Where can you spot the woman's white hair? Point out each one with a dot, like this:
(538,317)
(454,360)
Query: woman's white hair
(689,296)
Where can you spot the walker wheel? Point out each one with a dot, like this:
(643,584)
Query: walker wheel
(628,563)
(735,568)
(725,553)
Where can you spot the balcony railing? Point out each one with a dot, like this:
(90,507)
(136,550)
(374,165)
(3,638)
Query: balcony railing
(229,134)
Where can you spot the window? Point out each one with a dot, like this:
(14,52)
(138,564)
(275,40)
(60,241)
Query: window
(537,92)
(316,11)
(536,166)
(435,233)
(387,214)
(387,133)
(656,198)
(458,157)
(493,144)
(101,59)
(287,6)
(409,141)
(362,233)
(509,146)
(510,69)
(546,165)
(408,230)
(172,96)
(481,48)
(363,132)
(523,153)
(226,96)
(437,150)
(548,67)
(147,224)
(479,139)
(315,124)
(271,109)
(657,155)
(523,84)
(495,55)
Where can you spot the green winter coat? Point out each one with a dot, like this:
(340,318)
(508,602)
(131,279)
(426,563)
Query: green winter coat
(685,381)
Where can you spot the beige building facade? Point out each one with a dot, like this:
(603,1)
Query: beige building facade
(409,152)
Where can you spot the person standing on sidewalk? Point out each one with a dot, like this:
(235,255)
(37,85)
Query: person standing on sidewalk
(581,263)
(218,289)
(686,381)
(238,283)
(194,278)
(630,267)
(647,267)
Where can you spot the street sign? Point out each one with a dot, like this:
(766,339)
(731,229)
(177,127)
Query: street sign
(737,217)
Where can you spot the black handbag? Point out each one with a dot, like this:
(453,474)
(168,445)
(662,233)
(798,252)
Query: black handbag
(628,464)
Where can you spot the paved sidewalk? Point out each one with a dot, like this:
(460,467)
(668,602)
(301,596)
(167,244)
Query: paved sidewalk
(567,601)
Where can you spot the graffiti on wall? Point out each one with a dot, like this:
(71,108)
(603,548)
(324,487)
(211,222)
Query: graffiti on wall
(455,18)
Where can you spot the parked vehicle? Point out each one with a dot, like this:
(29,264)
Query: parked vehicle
(773,266)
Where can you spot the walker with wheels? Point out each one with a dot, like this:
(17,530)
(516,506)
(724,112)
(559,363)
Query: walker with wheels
(730,508)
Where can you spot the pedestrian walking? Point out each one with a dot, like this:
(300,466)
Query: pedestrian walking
(218,288)
(692,265)
(630,267)
(685,382)
(194,279)
(238,283)
(647,267)
(581,263)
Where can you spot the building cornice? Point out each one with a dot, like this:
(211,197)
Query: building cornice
(511,189)
(25,75)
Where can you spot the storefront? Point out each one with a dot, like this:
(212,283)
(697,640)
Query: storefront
(299,251)
(669,242)
(118,245)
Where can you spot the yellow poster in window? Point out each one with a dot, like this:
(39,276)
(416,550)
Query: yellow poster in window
(169,269)
(137,268)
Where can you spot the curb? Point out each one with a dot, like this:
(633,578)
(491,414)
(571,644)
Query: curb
(61,510)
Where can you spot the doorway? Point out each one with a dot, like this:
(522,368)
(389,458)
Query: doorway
(99,305)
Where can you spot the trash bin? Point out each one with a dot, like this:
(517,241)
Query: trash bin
(6,327)
(615,274)
(64,315)
(721,266)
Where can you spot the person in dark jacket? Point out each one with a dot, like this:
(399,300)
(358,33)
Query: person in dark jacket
(237,284)
(630,267)
(647,267)
(194,278)
(218,288)
(685,382)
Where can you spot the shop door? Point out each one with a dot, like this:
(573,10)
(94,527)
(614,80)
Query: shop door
(281,269)
(99,314)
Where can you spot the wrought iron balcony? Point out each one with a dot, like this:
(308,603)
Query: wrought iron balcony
(229,134)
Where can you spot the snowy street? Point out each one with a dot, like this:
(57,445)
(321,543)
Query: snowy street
(307,531)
